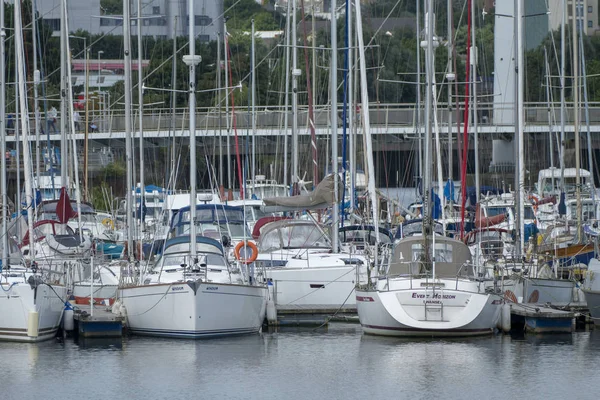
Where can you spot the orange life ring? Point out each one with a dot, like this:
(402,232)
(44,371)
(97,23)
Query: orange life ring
(238,247)
(533,199)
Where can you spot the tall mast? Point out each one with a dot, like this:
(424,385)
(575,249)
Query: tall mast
(174,102)
(63,93)
(587,117)
(192,60)
(128,130)
(36,82)
(550,133)
(3,192)
(253,71)
(418,108)
(140,119)
(287,95)
(219,98)
(450,77)
(335,223)
(295,73)
(520,124)
(576,118)
(474,86)
(228,123)
(563,44)
(366,121)
(21,83)
(71,128)
(428,104)
(351,107)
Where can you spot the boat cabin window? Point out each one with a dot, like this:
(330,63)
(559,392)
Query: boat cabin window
(588,211)
(362,236)
(443,252)
(570,184)
(529,213)
(494,211)
(177,260)
(209,215)
(294,237)
(255,213)
(216,231)
(269,191)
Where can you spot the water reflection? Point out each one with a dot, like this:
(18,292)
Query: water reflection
(100,343)
(337,362)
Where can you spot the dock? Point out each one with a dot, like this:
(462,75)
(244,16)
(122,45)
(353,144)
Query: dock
(540,318)
(102,323)
(291,315)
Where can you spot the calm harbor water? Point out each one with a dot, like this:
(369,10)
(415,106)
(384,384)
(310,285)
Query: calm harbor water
(334,363)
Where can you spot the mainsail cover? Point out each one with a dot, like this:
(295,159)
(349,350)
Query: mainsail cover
(322,196)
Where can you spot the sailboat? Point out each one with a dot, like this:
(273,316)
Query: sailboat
(429,286)
(32,296)
(192,291)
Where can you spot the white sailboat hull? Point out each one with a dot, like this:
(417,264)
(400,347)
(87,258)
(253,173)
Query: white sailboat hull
(539,290)
(20,304)
(320,287)
(103,293)
(194,309)
(417,311)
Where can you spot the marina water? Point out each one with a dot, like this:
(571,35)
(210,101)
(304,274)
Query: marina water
(337,362)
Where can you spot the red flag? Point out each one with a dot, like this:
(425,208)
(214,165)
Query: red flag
(64,211)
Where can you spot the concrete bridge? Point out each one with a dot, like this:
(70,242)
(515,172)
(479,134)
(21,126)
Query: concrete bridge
(393,127)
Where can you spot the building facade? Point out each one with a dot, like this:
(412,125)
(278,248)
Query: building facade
(159,18)
(586,15)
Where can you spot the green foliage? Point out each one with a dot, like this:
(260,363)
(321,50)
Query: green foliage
(240,17)
(98,199)
(109,7)
(114,170)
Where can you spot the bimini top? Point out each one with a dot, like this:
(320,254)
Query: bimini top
(49,207)
(451,255)
(293,234)
(209,213)
(181,244)
(365,233)
(413,227)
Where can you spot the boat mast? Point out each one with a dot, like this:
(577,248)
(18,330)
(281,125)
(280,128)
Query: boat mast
(3,140)
(71,128)
(418,108)
(428,102)
(520,125)
(128,140)
(562,105)
(36,82)
(547,66)
(140,119)
(253,71)
(587,118)
(364,93)
(351,106)
(219,99)
(173,109)
(295,74)
(228,122)
(335,220)
(450,77)
(21,83)
(474,86)
(576,119)
(63,94)
(287,94)
(192,60)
